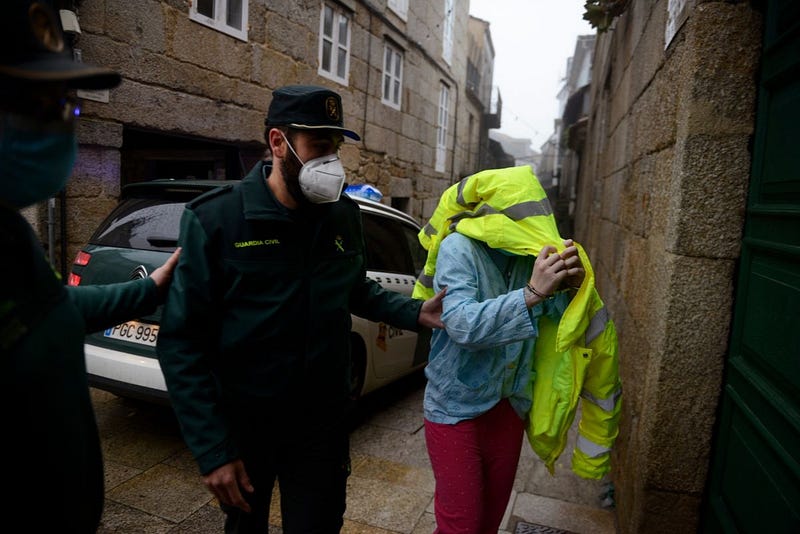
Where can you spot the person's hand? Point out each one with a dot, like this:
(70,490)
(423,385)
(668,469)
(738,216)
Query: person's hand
(430,314)
(226,483)
(549,270)
(575,271)
(163,275)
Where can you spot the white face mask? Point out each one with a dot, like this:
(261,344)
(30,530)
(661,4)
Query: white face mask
(321,179)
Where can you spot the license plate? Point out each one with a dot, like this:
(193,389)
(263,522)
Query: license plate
(135,332)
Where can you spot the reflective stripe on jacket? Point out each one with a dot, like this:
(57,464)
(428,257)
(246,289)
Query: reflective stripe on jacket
(574,359)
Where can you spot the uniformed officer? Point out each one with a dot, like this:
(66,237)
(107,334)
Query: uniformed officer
(254,341)
(51,449)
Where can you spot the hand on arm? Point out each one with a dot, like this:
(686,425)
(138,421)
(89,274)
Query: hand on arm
(430,314)
(163,275)
(226,483)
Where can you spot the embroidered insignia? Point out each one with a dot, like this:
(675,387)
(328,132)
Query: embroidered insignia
(380,341)
(332,108)
(339,243)
(256,243)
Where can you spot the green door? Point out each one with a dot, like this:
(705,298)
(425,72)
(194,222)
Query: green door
(755,472)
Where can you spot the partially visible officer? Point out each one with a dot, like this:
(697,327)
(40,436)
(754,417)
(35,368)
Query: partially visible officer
(51,443)
(255,337)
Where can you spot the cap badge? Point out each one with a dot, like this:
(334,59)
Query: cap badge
(332,108)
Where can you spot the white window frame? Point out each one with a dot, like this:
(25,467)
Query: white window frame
(400,7)
(441,127)
(392,95)
(220,18)
(335,42)
(447,30)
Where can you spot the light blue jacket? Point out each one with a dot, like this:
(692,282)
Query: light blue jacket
(484,354)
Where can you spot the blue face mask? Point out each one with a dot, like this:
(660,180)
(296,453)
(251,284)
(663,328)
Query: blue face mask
(35,159)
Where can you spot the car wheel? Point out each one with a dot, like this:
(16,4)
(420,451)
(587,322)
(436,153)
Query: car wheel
(358,366)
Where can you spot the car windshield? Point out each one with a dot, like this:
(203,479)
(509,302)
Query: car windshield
(142,223)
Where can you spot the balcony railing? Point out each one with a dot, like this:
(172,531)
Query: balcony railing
(493,117)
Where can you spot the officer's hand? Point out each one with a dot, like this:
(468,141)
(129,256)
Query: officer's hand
(163,275)
(430,314)
(226,483)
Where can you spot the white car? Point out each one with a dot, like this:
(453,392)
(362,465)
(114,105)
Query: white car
(142,231)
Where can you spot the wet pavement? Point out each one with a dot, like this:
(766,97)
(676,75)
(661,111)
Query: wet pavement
(152,485)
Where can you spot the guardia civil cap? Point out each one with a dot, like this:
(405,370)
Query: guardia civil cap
(307,107)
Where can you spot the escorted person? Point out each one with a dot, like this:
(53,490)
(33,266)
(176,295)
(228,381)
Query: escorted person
(510,279)
(51,444)
(255,338)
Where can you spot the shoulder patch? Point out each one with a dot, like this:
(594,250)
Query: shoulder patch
(208,195)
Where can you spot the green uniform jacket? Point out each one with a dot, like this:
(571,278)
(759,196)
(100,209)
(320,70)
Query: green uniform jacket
(51,441)
(258,313)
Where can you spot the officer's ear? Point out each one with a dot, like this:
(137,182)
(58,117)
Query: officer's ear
(277,143)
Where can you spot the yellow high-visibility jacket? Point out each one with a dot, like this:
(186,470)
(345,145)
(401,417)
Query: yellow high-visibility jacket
(574,359)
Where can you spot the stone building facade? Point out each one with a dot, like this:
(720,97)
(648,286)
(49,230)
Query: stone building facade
(671,154)
(196,88)
(573,105)
(483,94)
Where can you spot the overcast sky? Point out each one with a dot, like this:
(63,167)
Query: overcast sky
(532,41)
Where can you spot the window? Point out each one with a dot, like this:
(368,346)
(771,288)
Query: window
(441,127)
(392,76)
(388,243)
(227,16)
(334,44)
(144,223)
(400,7)
(447,35)
(677,11)
(147,155)
(418,254)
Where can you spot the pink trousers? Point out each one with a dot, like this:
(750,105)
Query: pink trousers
(474,463)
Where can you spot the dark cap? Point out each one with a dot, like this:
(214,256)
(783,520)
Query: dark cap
(32,49)
(307,107)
